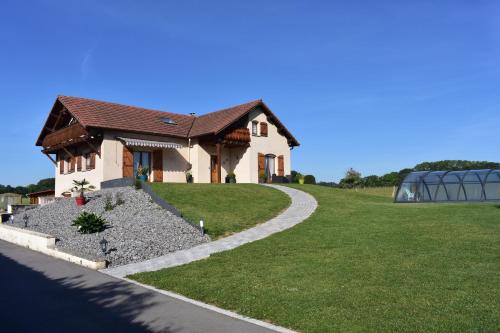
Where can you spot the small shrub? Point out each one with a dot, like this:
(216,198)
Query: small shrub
(89,223)
(108,204)
(119,199)
(137,184)
(189,177)
(309,179)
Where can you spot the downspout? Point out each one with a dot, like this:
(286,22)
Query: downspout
(189,151)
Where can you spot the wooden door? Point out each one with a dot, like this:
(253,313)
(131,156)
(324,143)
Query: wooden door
(128,162)
(158,166)
(281,166)
(214,164)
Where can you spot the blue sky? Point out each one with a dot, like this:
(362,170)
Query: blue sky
(373,85)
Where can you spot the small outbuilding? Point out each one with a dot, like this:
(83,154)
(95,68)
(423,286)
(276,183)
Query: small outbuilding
(447,186)
(42,197)
(7,199)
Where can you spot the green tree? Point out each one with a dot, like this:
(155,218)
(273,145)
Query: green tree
(371,181)
(351,179)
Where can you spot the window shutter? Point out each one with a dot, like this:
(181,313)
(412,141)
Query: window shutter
(92,160)
(72,164)
(281,166)
(79,163)
(128,162)
(158,166)
(263,129)
(61,163)
(261,163)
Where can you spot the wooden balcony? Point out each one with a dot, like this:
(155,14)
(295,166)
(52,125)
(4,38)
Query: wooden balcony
(65,137)
(237,137)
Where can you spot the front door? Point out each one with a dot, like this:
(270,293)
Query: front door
(214,177)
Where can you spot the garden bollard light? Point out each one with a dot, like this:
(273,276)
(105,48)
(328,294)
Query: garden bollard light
(201,228)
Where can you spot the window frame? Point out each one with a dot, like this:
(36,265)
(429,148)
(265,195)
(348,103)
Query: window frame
(255,125)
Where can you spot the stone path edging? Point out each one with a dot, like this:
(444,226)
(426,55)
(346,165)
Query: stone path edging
(302,206)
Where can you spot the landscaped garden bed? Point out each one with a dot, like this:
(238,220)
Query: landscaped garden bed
(135,228)
(360,263)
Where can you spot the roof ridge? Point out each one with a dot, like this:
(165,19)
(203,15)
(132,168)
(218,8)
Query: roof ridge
(231,107)
(124,105)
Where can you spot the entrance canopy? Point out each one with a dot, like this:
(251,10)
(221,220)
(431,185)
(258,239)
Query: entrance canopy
(148,143)
(442,186)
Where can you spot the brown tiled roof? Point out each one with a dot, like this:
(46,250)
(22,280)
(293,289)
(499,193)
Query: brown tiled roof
(97,114)
(214,122)
(92,113)
(35,194)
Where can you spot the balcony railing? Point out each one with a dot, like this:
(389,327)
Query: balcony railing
(238,136)
(65,137)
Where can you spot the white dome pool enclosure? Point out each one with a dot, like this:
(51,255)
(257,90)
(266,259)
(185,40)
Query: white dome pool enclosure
(450,186)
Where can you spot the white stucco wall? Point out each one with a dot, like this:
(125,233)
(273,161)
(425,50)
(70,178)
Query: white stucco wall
(244,161)
(175,161)
(274,143)
(110,164)
(64,182)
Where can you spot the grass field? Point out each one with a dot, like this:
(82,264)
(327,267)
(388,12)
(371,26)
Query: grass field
(225,208)
(379,191)
(360,263)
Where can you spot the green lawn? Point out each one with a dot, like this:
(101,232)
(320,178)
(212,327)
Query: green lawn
(380,191)
(360,263)
(224,208)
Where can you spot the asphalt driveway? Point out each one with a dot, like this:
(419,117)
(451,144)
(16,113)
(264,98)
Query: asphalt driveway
(42,294)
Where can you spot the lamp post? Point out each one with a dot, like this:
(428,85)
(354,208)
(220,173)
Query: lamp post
(202,229)
(104,245)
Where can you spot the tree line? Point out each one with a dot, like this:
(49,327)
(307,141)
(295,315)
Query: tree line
(354,178)
(42,185)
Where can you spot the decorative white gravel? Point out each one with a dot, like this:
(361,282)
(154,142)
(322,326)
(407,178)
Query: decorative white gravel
(137,230)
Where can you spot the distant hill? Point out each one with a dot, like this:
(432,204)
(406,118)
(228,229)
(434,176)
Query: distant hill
(43,184)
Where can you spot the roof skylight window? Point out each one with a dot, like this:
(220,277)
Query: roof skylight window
(168,121)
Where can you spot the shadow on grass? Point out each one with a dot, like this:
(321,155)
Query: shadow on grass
(33,302)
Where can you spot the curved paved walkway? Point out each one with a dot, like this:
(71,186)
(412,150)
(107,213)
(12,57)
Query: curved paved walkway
(302,206)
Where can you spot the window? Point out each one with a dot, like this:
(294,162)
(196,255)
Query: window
(263,129)
(168,121)
(86,156)
(70,166)
(270,166)
(254,128)
(142,158)
(89,161)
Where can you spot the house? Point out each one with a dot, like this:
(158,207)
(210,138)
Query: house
(41,197)
(7,199)
(102,141)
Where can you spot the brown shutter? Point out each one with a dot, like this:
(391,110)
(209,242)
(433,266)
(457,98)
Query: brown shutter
(92,161)
(61,163)
(79,163)
(263,129)
(72,164)
(128,162)
(262,163)
(158,166)
(281,166)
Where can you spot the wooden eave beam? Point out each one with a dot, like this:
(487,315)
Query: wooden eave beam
(68,152)
(94,148)
(59,116)
(50,157)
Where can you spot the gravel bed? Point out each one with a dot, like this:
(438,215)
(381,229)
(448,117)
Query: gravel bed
(137,230)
